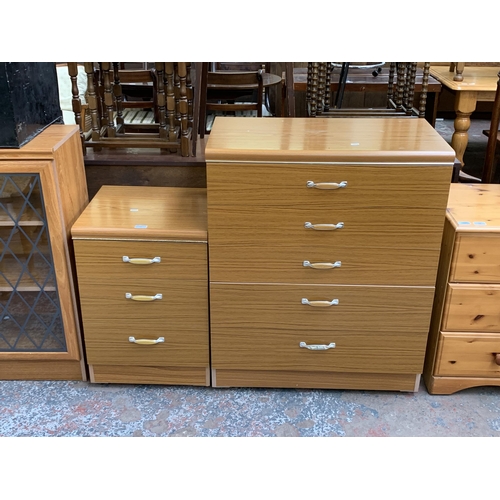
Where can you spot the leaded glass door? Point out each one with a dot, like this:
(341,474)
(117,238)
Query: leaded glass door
(30,312)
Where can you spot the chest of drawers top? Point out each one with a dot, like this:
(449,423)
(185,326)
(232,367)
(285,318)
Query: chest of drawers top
(474,208)
(346,140)
(145,213)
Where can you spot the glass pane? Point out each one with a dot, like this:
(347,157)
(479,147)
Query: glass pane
(30,314)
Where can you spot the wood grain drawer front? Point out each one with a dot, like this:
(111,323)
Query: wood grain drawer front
(475,355)
(476,259)
(180,317)
(374,328)
(321,264)
(102,261)
(380,205)
(472,308)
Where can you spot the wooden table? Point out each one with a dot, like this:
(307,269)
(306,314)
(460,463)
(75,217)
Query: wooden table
(362,80)
(479,84)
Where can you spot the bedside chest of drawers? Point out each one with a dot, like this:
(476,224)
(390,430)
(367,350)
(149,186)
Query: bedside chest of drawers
(324,238)
(141,258)
(464,343)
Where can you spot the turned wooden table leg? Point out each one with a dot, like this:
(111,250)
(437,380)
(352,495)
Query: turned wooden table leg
(465,104)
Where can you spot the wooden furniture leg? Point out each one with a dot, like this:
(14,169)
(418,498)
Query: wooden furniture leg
(465,104)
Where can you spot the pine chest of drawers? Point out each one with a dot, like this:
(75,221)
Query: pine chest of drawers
(324,239)
(464,343)
(141,258)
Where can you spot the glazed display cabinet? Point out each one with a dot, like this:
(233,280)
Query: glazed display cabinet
(42,191)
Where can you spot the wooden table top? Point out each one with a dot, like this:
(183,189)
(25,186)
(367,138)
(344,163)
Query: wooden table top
(480,79)
(474,207)
(359,80)
(145,213)
(326,140)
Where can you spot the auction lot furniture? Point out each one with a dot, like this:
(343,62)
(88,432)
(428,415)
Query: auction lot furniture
(324,238)
(141,257)
(42,192)
(478,84)
(464,342)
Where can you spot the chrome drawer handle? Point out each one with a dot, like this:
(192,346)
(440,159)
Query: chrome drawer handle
(322,265)
(318,347)
(144,298)
(140,260)
(320,303)
(159,340)
(324,227)
(326,185)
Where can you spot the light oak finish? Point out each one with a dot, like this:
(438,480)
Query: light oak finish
(120,212)
(383,329)
(149,375)
(319,380)
(478,84)
(464,335)
(362,320)
(144,322)
(56,156)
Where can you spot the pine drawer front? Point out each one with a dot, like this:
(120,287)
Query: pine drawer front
(468,355)
(261,327)
(321,264)
(472,308)
(180,316)
(476,259)
(112,261)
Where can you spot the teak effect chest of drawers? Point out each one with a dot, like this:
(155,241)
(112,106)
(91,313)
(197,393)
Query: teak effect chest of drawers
(464,343)
(141,257)
(324,239)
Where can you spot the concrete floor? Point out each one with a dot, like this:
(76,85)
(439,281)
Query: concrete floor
(30,408)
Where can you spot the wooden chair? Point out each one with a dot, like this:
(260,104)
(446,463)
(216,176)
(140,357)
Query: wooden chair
(400,92)
(230,91)
(172,103)
(493,139)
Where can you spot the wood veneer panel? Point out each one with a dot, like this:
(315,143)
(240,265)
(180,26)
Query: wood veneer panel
(145,213)
(307,380)
(260,327)
(297,139)
(381,207)
(40,369)
(102,262)
(149,375)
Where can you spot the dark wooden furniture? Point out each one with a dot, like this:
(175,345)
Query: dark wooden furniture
(174,104)
(230,91)
(400,92)
(493,139)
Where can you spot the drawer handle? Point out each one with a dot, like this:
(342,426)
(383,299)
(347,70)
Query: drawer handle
(318,347)
(144,298)
(324,227)
(141,261)
(159,340)
(326,185)
(497,358)
(320,303)
(322,265)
